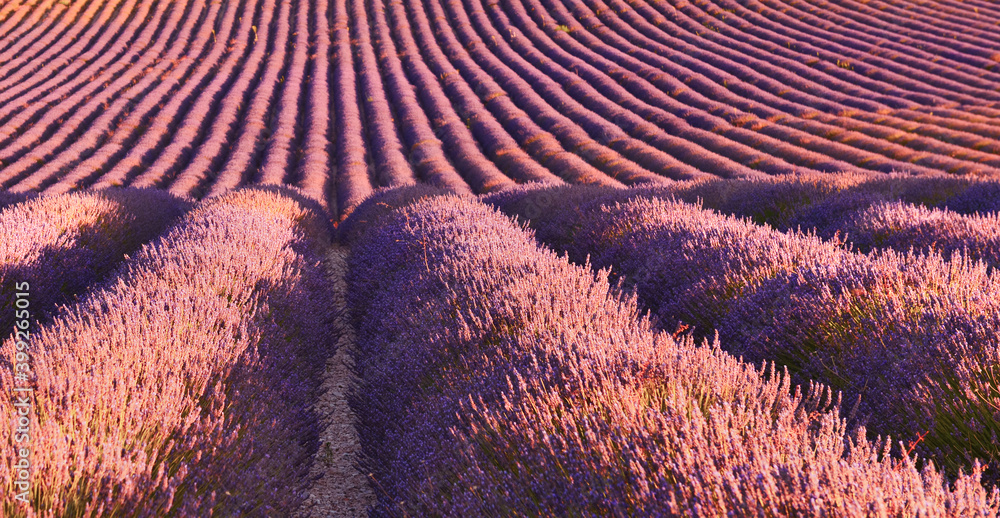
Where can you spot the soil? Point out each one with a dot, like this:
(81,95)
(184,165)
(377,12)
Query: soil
(340,490)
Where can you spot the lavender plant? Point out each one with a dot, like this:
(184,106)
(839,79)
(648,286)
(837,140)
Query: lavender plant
(893,330)
(909,335)
(772,201)
(63,244)
(979,197)
(184,386)
(499,379)
(379,204)
(903,226)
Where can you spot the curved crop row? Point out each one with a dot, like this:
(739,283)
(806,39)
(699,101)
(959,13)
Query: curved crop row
(505,380)
(224,145)
(80,158)
(278,160)
(791,202)
(244,150)
(794,51)
(909,336)
(943,214)
(168,137)
(33,66)
(548,88)
(431,65)
(903,226)
(185,385)
(131,123)
(21,18)
(342,98)
(391,168)
(419,99)
(798,98)
(548,133)
(429,149)
(25,130)
(314,174)
(63,244)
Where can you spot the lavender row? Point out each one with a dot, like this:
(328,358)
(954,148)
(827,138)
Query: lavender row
(475,143)
(645,77)
(612,102)
(26,130)
(185,386)
(811,56)
(78,154)
(871,222)
(788,89)
(885,141)
(946,18)
(789,202)
(243,160)
(278,161)
(18,20)
(223,152)
(791,139)
(562,145)
(920,56)
(389,159)
(61,245)
(167,144)
(427,64)
(907,336)
(927,62)
(381,204)
(939,213)
(963,46)
(930,83)
(616,78)
(27,62)
(916,68)
(503,60)
(441,151)
(314,174)
(943,213)
(350,170)
(505,380)
(138,120)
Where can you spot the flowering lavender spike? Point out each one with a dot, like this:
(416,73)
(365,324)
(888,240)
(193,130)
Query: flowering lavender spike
(185,384)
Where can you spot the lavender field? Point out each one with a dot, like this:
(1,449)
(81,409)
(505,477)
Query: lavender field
(500,258)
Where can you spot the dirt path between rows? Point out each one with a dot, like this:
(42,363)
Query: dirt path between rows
(342,490)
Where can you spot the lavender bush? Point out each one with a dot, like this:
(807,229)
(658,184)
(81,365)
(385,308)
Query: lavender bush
(979,197)
(903,226)
(891,329)
(379,204)
(772,201)
(8,198)
(62,244)
(899,212)
(910,335)
(183,387)
(806,200)
(870,212)
(499,379)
